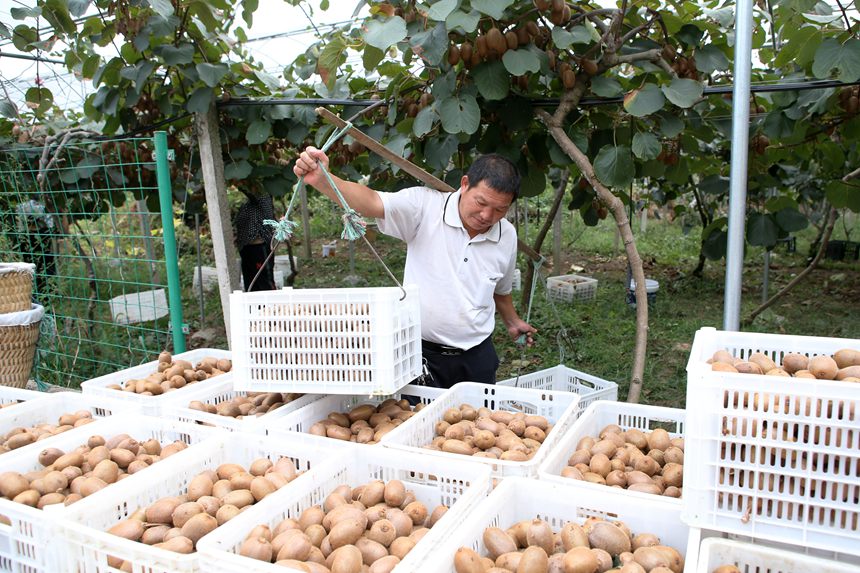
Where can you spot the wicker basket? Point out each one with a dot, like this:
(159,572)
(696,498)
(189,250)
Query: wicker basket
(19,332)
(16,286)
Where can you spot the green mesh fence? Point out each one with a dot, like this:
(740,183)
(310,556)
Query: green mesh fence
(92,224)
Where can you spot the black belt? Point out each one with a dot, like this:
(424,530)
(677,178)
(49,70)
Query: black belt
(441,348)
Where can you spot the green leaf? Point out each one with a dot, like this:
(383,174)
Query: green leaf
(614,166)
(533,182)
(710,59)
(5,32)
(438,151)
(690,34)
(24,13)
(237,170)
(78,8)
(604,86)
(200,100)
(495,9)
(844,58)
(371,57)
(843,196)
(468,23)
(761,230)
(791,220)
(583,34)
(644,101)
(562,38)
(248,9)
(683,92)
(385,34)
(441,10)
(268,80)
(777,125)
(163,8)
(520,62)
(39,99)
(56,12)
(175,55)
(424,121)
(714,243)
(492,80)
(24,35)
(90,66)
(797,46)
(431,45)
(211,74)
(8,109)
(87,167)
(332,56)
(723,16)
(646,146)
(670,125)
(258,132)
(460,114)
(714,185)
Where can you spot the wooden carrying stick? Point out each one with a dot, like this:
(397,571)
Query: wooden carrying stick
(429,179)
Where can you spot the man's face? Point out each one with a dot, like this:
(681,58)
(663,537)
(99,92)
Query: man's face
(481,206)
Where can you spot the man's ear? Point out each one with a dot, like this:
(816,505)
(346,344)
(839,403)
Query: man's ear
(464,182)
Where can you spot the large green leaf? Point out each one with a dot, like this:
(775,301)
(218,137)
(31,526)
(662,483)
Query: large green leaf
(604,86)
(777,125)
(495,9)
(670,125)
(646,146)
(791,220)
(441,9)
(438,151)
(842,195)
(714,184)
(87,166)
(714,243)
(683,92)
(19,13)
(798,46)
(460,114)
(237,170)
(424,121)
(211,74)
(258,131)
(533,182)
(332,56)
(5,32)
(844,58)
(56,12)
(521,62)
(562,38)
(39,99)
(8,109)
(163,8)
(710,59)
(200,100)
(492,80)
(761,230)
(614,166)
(23,36)
(584,34)
(176,55)
(467,22)
(384,34)
(644,101)
(371,57)
(431,45)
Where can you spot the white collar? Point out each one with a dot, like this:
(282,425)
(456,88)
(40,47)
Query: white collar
(451,217)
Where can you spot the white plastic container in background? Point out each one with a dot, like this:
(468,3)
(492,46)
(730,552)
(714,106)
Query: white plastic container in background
(517,499)
(597,416)
(177,408)
(138,307)
(753,465)
(563,379)
(302,419)
(459,486)
(571,288)
(87,544)
(31,542)
(559,408)
(326,340)
(10,396)
(757,558)
(97,388)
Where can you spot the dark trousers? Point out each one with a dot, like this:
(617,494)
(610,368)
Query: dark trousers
(38,248)
(253,257)
(448,366)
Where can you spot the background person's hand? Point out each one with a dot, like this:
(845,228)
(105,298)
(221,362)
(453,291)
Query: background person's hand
(306,166)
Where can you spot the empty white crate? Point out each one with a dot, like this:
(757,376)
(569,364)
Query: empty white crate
(87,544)
(301,420)
(139,306)
(216,393)
(772,457)
(458,486)
(597,416)
(571,288)
(563,379)
(757,558)
(97,388)
(559,408)
(517,499)
(326,341)
(11,396)
(30,542)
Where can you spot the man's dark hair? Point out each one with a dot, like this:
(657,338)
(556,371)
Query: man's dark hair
(498,172)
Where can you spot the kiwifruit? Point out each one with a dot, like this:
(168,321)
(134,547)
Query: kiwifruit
(453,55)
(481,47)
(589,66)
(512,40)
(568,79)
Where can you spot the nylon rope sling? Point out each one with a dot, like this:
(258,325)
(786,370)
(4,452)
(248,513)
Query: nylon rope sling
(354,227)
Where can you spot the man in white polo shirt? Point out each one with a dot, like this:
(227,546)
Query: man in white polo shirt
(461,252)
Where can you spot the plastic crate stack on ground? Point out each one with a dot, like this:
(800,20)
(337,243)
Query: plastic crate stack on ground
(563,379)
(774,458)
(32,499)
(187,370)
(571,288)
(326,341)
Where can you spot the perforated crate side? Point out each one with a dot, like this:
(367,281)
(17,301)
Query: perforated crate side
(517,499)
(757,558)
(30,542)
(459,486)
(571,288)
(10,396)
(563,379)
(597,416)
(769,457)
(326,341)
(559,408)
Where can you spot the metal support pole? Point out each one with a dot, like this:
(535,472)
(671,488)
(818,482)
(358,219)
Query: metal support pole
(738,171)
(199,265)
(165,199)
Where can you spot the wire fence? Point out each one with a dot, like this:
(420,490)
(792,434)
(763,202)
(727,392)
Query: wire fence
(90,216)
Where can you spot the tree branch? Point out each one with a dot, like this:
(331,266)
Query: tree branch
(853,175)
(844,15)
(638,29)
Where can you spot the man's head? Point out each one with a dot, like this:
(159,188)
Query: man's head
(486,191)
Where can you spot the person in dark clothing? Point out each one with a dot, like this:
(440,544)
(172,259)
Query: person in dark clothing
(34,240)
(253,239)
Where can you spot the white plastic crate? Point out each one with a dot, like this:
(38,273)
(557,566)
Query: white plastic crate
(30,543)
(756,558)
(559,408)
(10,396)
(86,542)
(516,499)
(459,486)
(571,288)
(597,416)
(771,457)
(138,307)
(326,341)
(301,420)
(563,379)
(97,388)
(216,393)
(518,278)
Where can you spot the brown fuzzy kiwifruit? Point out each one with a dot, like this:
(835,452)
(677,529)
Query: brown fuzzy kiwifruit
(453,55)
(823,367)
